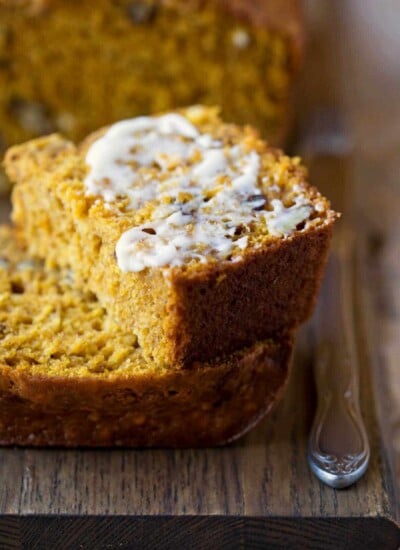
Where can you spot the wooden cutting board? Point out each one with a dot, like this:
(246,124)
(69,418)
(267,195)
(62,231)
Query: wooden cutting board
(257,493)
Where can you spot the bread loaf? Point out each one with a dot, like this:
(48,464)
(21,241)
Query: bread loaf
(194,234)
(69,376)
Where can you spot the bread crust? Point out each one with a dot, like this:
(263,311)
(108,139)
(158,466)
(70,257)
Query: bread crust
(266,292)
(206,405)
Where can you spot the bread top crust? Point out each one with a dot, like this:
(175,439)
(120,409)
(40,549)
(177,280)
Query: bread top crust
(281,184)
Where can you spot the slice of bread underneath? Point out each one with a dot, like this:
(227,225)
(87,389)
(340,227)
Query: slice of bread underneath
(69,376)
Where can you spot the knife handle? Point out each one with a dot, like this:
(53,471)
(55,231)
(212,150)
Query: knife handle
(338,447)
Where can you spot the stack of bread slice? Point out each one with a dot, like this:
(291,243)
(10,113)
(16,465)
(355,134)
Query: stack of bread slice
(153,282)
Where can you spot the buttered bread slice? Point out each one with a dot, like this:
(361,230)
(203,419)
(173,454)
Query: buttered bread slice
(70,376)
(195,235)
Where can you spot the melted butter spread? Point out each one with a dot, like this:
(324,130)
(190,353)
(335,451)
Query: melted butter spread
(205,193)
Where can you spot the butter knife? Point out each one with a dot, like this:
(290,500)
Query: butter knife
(338,451)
